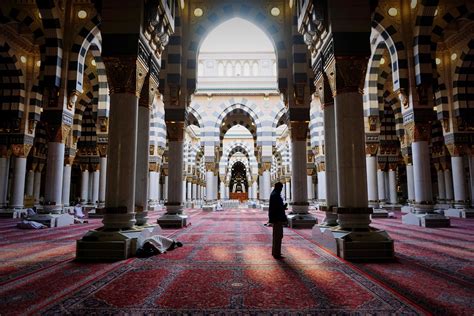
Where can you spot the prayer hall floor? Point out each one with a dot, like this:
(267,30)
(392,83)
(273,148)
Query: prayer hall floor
(226,267)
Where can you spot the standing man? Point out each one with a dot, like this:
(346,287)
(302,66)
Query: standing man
(277,217)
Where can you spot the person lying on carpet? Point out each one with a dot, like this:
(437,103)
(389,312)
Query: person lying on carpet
(157,244)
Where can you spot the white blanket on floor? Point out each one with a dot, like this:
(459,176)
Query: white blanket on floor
(24,224)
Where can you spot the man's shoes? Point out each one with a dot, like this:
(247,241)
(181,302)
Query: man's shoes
(278,257)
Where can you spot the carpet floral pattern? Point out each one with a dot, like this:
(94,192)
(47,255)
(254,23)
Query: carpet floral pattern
(226,267)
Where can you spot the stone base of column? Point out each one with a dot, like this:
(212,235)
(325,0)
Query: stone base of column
(379,213)
(330,219)
(391,207)
(173,218)
(97,245)
(374,204)
(355,246)
(12,213)
(264,205)
(430,220)
(300,218)
(53,220)
(209,206)
(442,206)
(141,217)
(407,209)
(459,212)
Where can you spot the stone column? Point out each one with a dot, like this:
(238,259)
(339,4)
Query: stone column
(392,183)
(448,181)
(266,183)
(381,184)
(4,162)
(67,183)
(194,195)
(372,185)
(222,190)
(189,190)
(209,185)
(84,183)
(158,187)
(121,164)
(30,182)
(322,184)
(95,184)
(165,188)
(102,180)
(153,185)
(142,165)
(288,190)
(53,188)
(174,216)
(441,186)
(309,182)
(37,185)
(459,184)
(410,183)
(422,214)
(471,177)
(254,189)
(300,216)
(18,186)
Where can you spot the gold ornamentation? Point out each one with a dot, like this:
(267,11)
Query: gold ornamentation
(346,74)
(122,74)
(152,166)
(299,130)
(175,131)
(373,122)
(152,150)
(62,134)
(455,150)
(402,96)
(21,150)
(72,99)
(103,124)
(102,149)
(371,149)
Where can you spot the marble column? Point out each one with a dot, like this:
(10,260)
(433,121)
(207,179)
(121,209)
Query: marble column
(84,185)
(121,164)
(322,186)
(90,187)
(53,188)
(441,186)
(222,190)
(184,190)
(102,181)
(194,195)
(422,175)
(30,182)
(153,186)
(18,189)
(227,191)
(66,185)
(372,185)
(381,186)
(254,189)
(142,165)
(309,182)
(392,183)
(165,188)
(288,190)
(209,186)
(37,186)
(266,184)
(448,181)
(459,184)
(4,162)
(158,187)
(299,216)
(471,177)
(95,186)
(189,191)
(410,183)
(329,167)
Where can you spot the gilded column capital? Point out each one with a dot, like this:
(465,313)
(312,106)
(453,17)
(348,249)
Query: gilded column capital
(69,160)
(21,150)
(266,166)
(456,150)
(371,149)
(125,74)
(346,74)
(392,166)
(5,151)
(407,159)
(61,134)
(299,130)
(417,132)
(210,166)
(84,167)
(175,131)
(152,166)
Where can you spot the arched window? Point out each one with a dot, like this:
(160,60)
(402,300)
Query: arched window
(220,69)
(246,69)
(200,69)
(238,69)
(228,70)
(255,69)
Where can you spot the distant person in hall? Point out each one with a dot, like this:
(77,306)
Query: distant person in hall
(277,217)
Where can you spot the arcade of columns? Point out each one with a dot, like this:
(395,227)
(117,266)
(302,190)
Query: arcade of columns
(375,132)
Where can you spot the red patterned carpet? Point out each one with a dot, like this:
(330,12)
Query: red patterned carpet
(225,267)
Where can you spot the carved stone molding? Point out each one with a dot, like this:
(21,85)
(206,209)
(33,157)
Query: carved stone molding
(299,130)
(175,131)
(371,149)
(21,150)
(125,74)
(346,74)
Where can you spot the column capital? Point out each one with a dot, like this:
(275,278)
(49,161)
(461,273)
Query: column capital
(21,150)
(371,149)
(175,130)
(417,132)
(125,74)
(346,74)
(69,160)
(102,150)
(299,130)
(456,150)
